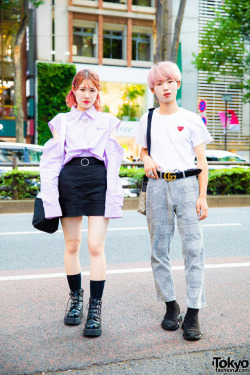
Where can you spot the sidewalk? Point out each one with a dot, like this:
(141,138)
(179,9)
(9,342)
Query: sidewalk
(35,340)
(198,363)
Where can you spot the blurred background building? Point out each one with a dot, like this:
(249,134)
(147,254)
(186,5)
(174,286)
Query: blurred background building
(116,38)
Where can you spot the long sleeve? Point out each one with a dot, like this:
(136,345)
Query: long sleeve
(50,166)
(114,193)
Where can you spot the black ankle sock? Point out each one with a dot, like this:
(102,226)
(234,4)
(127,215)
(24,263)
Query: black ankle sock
(96,288)
(74,282)
(191,311)
(171,305)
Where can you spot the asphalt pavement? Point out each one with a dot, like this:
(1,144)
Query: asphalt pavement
(34,293)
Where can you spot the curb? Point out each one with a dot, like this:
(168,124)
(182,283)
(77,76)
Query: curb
(27,205)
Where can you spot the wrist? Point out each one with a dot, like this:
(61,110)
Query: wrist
(144,157)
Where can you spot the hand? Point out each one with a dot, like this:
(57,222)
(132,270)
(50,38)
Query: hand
(150,167)
(202,208)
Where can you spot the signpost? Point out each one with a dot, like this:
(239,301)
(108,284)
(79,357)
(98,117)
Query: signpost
(226,98)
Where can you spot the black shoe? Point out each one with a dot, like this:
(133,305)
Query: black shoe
(191,327)
(93,324)
(172,318)
(75,312)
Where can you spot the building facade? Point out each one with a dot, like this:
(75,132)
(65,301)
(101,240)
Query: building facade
(116,38)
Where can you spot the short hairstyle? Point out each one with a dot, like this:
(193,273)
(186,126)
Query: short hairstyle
(162,71)
(83,74)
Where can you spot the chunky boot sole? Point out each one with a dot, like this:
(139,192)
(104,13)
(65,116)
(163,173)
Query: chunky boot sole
(90,332)
(190,337)
(73,321)
(172,328)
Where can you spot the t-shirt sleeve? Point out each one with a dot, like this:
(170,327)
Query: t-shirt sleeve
(199,132)
(141,136)
(114,123)
(55,123)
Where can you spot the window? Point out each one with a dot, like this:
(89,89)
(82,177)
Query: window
(112,44)
(144,3)
(35,156)
(6,155)
(84,41)
(115,1)
(141,46)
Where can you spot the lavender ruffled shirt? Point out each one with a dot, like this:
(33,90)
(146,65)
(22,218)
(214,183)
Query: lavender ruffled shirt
(87,134)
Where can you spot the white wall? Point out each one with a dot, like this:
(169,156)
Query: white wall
(61,31)
(189,44)
(44,31)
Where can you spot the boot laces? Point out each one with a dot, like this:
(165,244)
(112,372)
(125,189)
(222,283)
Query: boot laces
(94,309)
(73,299)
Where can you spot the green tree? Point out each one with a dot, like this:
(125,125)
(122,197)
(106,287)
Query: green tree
(18,11)
(224,46)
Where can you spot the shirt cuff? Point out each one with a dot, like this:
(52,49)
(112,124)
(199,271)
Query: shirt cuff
(52,210)
(113,212)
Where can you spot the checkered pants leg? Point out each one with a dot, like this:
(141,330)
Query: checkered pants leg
(165,200)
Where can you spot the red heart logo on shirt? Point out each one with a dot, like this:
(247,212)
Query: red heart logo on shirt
(180,128)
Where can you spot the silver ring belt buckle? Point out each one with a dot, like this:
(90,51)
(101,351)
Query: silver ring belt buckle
(82,161)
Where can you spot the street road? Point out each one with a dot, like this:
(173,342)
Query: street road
(34,293)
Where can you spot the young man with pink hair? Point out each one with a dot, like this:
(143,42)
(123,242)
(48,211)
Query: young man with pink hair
(177,136)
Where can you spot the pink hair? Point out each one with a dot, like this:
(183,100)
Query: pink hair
(162,71)
(79,77)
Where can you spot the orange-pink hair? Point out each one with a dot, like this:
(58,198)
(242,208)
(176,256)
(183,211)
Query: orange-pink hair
(162,71)
(79,77)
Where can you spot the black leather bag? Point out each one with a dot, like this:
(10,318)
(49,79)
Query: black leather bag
(40,222)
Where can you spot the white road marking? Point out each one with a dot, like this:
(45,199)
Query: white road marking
(118,271)
(114,229)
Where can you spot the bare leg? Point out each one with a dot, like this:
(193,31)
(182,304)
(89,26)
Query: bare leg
(72,230)
(97,228)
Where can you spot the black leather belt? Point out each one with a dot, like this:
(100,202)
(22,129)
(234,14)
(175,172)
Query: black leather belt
(171,176)
(84,162)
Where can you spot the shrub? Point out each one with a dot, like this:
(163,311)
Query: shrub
(26,184)
(229,181)
(54,82)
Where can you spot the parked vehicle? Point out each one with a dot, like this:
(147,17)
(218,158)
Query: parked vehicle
(224,156)
(25,153)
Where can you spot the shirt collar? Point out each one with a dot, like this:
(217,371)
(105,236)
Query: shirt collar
(91,112)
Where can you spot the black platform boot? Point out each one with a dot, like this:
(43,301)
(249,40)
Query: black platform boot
(172,318)
(191,325)
(75,312)
(93,326)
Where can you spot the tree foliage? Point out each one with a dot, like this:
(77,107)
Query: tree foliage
(54,82)
(224,44)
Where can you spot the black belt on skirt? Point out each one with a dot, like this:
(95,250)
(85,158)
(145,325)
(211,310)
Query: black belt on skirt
(85,162)
(171,176)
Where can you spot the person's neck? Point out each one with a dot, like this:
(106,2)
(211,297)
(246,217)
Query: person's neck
(168,108)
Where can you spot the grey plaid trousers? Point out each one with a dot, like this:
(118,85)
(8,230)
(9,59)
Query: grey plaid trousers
(165,200)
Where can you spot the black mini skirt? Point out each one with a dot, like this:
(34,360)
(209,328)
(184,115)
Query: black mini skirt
(82,187)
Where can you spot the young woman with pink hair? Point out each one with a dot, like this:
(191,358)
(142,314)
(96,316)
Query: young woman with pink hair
(80,177)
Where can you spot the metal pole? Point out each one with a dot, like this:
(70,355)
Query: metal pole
(226,127)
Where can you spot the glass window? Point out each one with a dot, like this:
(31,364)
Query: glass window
(112,44)
(128,101)
(144,3)
(6,155)
(116,1)
(231,158)
(35,156)
(83,41)
(141,47)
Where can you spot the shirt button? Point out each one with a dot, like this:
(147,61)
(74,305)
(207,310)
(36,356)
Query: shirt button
(86,120)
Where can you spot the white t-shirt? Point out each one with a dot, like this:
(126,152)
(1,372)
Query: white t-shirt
(173,138)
